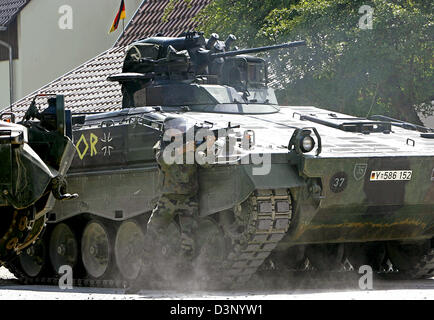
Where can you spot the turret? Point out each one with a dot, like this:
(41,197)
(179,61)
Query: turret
(191,59)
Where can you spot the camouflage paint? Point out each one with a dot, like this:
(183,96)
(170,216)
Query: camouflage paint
(367,210)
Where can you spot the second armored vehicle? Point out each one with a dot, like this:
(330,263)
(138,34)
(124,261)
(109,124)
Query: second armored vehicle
(34,159)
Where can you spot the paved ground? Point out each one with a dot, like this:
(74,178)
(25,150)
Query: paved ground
(341,287)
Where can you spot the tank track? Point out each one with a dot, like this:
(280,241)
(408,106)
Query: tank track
(15,269)
(268,222)
(268,219)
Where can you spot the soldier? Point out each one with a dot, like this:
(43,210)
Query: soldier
(178,198)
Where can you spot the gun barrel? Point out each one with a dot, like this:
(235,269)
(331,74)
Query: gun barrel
(256,50)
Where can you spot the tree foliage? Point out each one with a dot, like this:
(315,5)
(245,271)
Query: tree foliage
(387,69)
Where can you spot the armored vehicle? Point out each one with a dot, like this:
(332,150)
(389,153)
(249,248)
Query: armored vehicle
(34,158)
(296,185)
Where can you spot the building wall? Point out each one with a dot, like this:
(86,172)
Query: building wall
(47,51)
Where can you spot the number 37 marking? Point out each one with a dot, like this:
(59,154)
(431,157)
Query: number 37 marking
(338,182)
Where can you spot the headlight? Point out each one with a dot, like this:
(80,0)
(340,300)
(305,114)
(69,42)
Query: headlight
(302,141)
(307,144)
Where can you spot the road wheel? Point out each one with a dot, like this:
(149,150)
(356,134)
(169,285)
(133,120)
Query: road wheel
(97,249)
(326,257)
(292,258)
(63,247)
(412,260)
(129,243)
(33,260)
(372,254)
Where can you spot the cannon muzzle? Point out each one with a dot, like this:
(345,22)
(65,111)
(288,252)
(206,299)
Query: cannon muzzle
(256,50)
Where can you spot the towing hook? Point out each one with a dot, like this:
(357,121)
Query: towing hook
(59,186)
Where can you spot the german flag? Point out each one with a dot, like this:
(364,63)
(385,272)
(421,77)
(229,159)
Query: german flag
(121,15)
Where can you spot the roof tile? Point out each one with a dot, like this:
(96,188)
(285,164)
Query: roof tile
(9,10)
(84,87)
